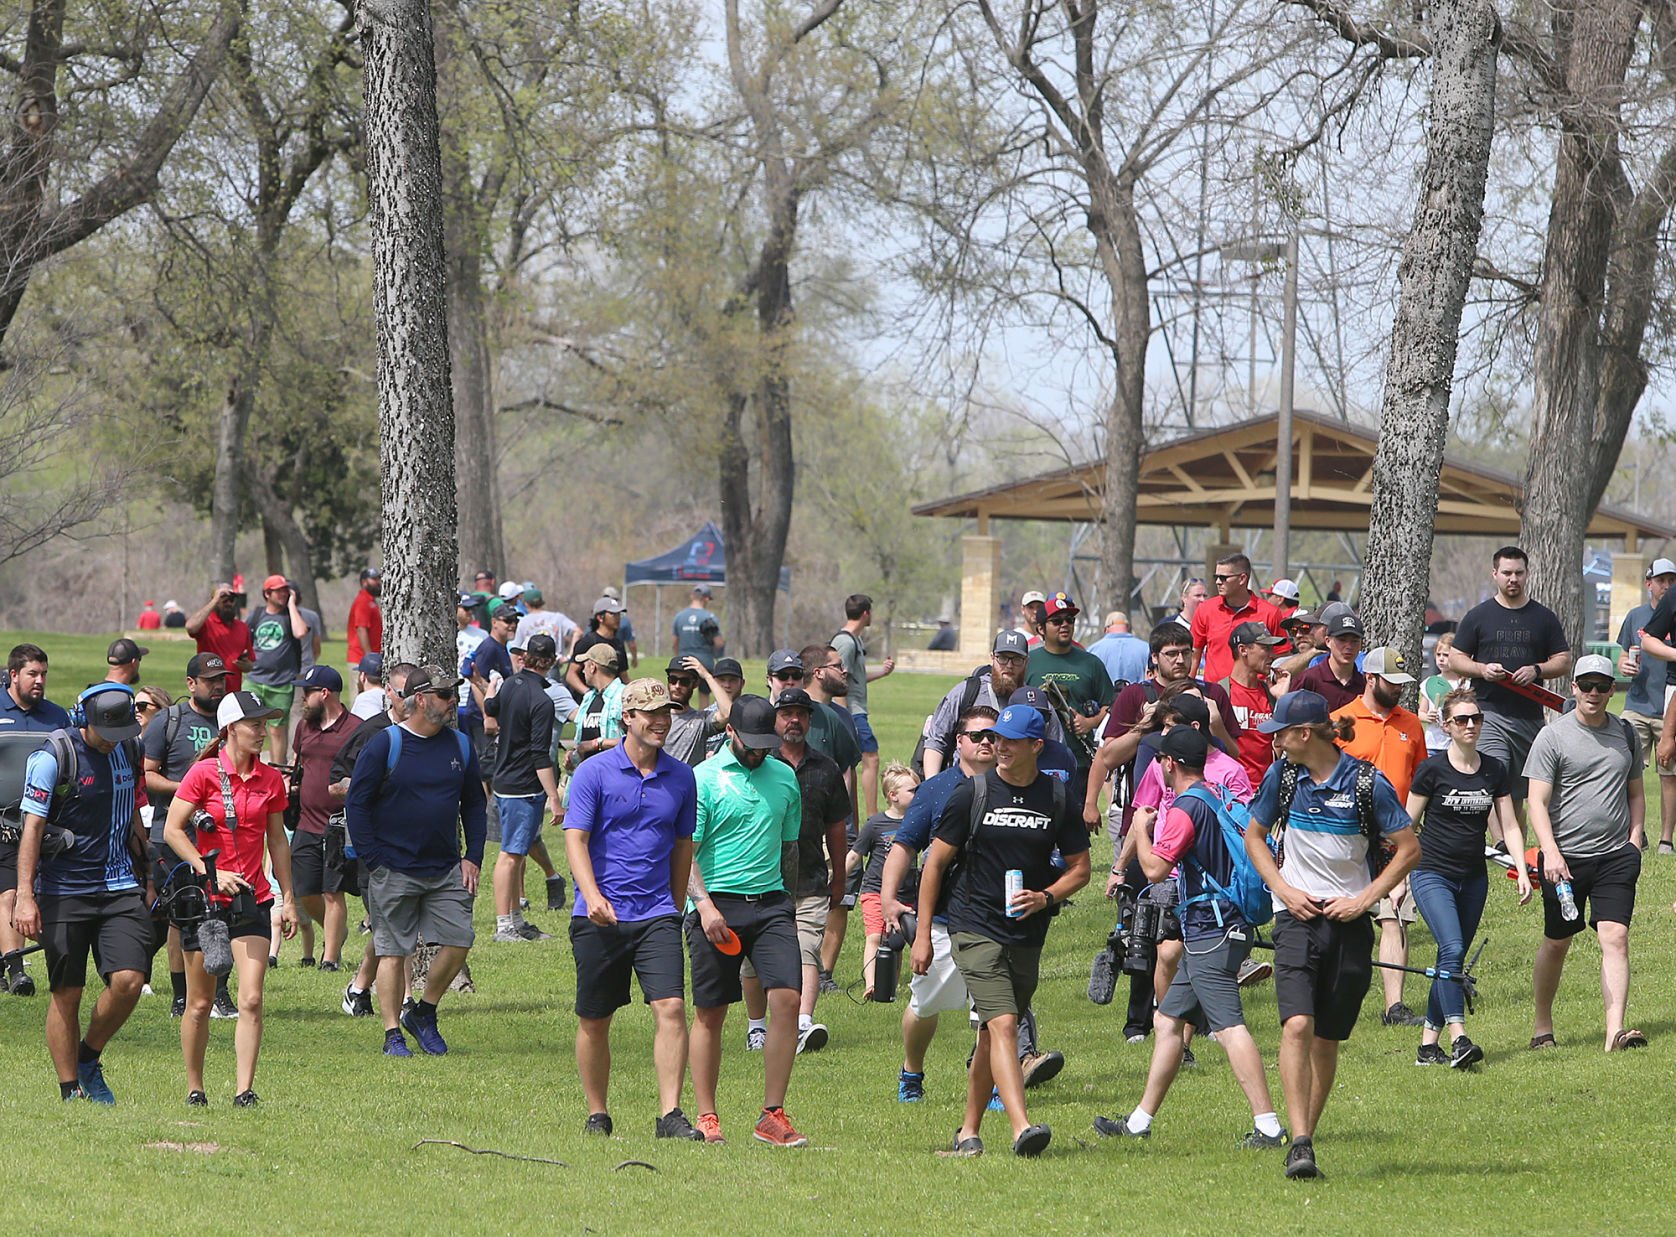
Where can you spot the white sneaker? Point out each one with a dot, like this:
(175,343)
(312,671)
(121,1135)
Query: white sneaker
(509,936)
(756,1038)
(811,1038)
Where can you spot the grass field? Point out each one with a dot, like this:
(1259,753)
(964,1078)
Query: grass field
(1531,1142)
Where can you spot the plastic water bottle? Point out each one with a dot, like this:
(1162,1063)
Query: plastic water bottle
(1015,886)
(1568,903)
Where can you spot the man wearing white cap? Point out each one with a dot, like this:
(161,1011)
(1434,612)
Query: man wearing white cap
(1586,806)
(1285,596)
(1032,608)
(1644,702)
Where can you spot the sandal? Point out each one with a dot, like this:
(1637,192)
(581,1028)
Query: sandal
(1545,1040)
(1628,1038)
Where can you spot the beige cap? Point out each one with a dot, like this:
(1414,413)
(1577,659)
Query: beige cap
(602,655)
(645,695)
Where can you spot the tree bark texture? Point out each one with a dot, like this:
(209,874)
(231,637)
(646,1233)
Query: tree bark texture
(1433,278)
(415,406)
(1594,43)
(33,227)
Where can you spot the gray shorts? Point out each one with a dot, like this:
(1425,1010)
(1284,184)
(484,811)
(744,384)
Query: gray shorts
(1205,989)
(1509,740)
(403,907)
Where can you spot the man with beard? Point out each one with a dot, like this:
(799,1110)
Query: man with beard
(316,871)
(1393,740)
(366,619)
(989,687)
(23,707)
(170,746)
(218,629)
(690,728)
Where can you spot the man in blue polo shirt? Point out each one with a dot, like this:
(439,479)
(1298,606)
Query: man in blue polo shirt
(88,898)
(23,707)
(628,836)
(1324,892)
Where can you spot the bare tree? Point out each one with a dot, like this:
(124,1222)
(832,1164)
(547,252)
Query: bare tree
(416,412)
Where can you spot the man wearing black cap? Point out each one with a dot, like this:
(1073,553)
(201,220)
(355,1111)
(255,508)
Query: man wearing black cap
(370,699)
(316,869)
(123,658)
(524,781)
(1218,940)
(366,618)
(91,897)
(729,677)
(750,813)
(698,632)
(171,745)
(1250,694)
(408,800)
(1337,680)
(991,686)
(690,729)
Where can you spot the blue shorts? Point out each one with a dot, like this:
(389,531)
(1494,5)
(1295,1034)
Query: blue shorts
(864,733)
(520,821)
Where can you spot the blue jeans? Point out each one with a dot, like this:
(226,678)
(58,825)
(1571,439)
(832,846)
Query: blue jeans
(1451,908)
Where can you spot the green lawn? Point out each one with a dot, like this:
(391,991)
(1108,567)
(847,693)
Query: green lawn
(1530,1142)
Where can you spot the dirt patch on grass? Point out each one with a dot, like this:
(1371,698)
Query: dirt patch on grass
(164,1144)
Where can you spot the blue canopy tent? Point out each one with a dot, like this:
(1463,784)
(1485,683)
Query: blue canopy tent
(700,559)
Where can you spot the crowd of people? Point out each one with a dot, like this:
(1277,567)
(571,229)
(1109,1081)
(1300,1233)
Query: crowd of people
(1247,759)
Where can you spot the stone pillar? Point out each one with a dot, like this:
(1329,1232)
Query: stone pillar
(980,596)
(1629,588)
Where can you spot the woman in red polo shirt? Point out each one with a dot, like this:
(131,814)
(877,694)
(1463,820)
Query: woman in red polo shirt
(231,769)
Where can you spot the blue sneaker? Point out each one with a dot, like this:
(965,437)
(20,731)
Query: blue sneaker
(910,1088)
(995,1104)
(91,1076)
(395,1045)
(424,1030)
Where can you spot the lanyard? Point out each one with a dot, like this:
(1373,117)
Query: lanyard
(227,799)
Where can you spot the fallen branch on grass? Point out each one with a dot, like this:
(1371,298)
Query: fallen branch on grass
(505,1155)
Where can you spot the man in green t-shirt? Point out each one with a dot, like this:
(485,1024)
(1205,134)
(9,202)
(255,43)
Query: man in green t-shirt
(750,811)
(1079,674)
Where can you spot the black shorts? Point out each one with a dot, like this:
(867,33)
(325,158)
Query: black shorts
(262,926)
(113,926)
(312,872)
(1322,969)
(8,866)
(1605,882)
(651,949)
(767,928)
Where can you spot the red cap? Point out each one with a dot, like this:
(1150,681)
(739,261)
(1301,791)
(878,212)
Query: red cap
(273,582)
(1059,603)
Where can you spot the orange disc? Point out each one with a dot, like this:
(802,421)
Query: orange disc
(730,946)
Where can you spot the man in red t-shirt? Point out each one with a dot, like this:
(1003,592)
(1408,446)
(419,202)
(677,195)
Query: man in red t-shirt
(1248,690)
(366,619)
(149,619)
(218,629)
(1214,621)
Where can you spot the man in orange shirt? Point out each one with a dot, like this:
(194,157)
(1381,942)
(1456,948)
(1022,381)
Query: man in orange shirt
(1393,740)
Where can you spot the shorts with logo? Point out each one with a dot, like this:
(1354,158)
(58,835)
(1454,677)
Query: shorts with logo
(1606,883)
(1206,989)
(114,927)
(1322,969)
(403,906)
(1000,978)
(279,698)
(767,929)
(942,989)
(605,956)
(312,871)
(520,821)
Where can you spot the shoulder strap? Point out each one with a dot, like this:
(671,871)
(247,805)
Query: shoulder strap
(464,740)
(1061,797)
(980,807)
(69,765)
(171,728)
(395,754)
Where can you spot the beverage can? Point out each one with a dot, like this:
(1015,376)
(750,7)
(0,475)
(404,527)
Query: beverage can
(1015,886)
(1634,657)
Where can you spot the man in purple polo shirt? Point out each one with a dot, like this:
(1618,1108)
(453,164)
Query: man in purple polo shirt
(628,836)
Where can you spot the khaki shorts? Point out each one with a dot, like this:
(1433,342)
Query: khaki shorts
(1649,730)
(811,931)
(1383,911)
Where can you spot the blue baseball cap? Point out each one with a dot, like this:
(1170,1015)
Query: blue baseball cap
(1019,721)
(1302,708)
(1035,697)
(317,677)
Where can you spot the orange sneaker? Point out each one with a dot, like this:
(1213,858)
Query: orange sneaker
(710,1125)
(775,1128)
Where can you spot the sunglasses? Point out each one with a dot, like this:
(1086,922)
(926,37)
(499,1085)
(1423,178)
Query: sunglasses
(145,706)
(1063,618)
(1222,579)
(1467,719)
(1598,687)
(979,736)
(682,680)
(788,676)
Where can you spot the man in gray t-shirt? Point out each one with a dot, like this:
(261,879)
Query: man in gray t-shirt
(1586,805)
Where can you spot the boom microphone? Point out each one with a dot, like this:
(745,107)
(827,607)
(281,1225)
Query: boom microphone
(217,945)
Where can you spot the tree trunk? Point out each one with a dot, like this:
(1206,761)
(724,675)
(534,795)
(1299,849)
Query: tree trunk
(280,527)
(415,407)
(1117,235)
(1566,369)
(225,495)
(1432,279)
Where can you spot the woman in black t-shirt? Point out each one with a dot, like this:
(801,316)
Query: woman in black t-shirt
(1455,795)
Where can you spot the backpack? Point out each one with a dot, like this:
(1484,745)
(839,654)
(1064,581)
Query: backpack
(15,749)
(980,805)
(969,692)
(1378,854)
(1245,890)
(395,755)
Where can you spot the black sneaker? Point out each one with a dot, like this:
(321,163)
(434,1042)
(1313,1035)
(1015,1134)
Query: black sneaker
(22,985)
(177,1008)
(1400,1015)
(674,1124)
(197,1099)
(1431,1054)
(828,984)
(1118,1127)
(1256,1140)
(1188,1060)
(599,1123)
(246,1099)
(555,893)
(330,966)
(224,1008)
(1300,1161)
(357,1004)
(308,961)
(1464,1053)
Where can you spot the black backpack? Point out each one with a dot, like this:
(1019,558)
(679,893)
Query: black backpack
(969,692)
(15,749)
(1379,854)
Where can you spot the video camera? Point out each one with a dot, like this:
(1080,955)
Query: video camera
(887,963)
(1143,921)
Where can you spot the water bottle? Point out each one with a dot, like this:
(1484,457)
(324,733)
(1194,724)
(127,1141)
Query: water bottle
(1015,886)
(1568,903)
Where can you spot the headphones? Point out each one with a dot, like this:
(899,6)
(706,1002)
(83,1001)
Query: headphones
(78,711)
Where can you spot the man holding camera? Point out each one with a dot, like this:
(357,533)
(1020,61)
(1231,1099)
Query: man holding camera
(1218,940)
(218,629)
(1009,836)
(90,897)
